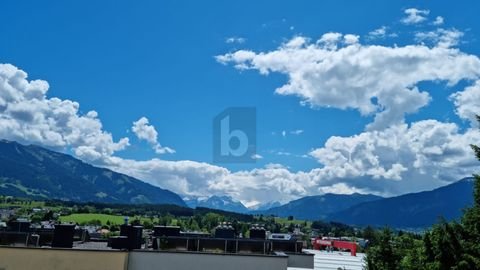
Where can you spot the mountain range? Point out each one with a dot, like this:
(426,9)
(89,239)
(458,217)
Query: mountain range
(225,203)
(318,207)
(35,172)
(264,206)
(414,210)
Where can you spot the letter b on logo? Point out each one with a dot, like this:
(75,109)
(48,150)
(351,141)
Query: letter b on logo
(234,135)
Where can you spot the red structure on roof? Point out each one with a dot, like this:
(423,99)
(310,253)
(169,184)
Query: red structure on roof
(318,243)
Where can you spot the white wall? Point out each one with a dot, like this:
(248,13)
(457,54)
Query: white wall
(19,258)
(158,260)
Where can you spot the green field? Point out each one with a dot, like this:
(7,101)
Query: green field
(85,218)
(104,218)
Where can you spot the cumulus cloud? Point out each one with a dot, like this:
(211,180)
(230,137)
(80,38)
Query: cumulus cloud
(144,131)
(438,20)
(440,37)
(362,77)
(467,103)
(378,33)
(404,155)
(28,116)
(414,16)
(342,188)
(202,179)
(351,39)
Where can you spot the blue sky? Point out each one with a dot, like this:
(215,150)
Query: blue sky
(157,59)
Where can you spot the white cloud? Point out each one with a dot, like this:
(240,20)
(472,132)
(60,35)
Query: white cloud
(275,166)
(415,16)
(283,153)
(407,157)
(351,39)
(440,37)
(342,188)
(28,116)
(144,131)
(296,132)
(378,33)
(164,150)
(467,103)
(238,40)
(438,20)
(257,156)
(289,154)
(361,77)
(284,133)
(328,41)
(381,33)
(200,179)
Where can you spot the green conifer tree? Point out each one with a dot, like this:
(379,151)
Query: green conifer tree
(471,223)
